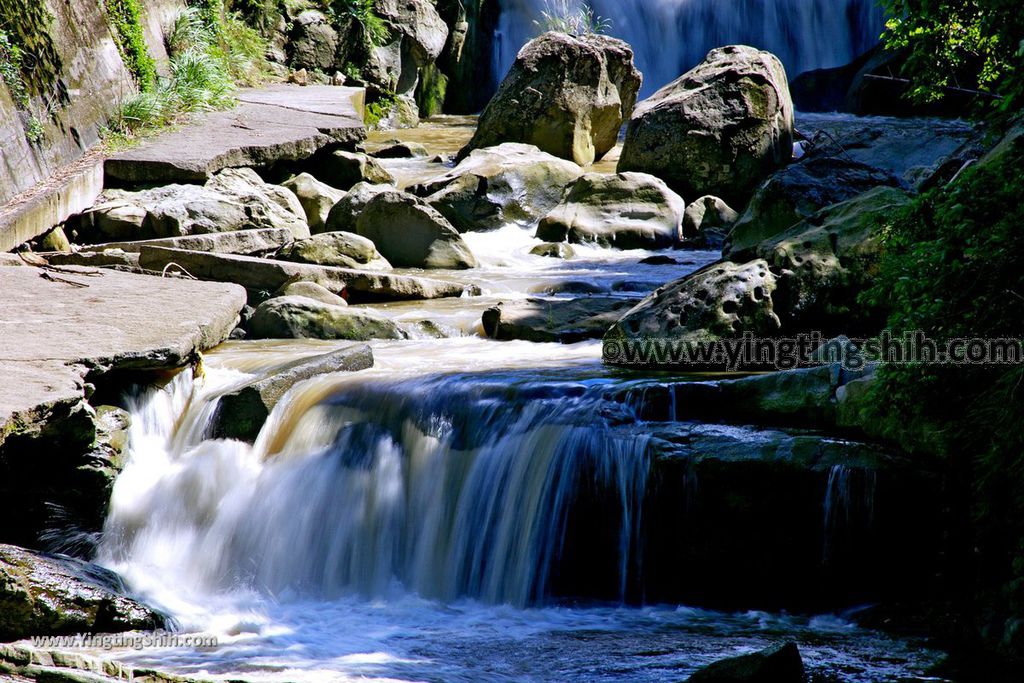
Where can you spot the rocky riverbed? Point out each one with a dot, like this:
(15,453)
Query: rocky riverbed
(419,422)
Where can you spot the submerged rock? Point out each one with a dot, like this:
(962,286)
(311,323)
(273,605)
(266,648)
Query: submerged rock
(797,192)
(43,594)
(625,211)
(719,129)
(242,413)
(568,95)
(775,664)
(492,187)
(297,317)
(402,150)
(412,234)
(542,320)
(553,250)
(342,249)
(317,199)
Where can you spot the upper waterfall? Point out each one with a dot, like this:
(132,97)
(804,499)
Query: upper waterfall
(671,36)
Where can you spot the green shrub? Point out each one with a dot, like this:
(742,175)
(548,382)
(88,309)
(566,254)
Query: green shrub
(126,20)
(374,29)
(379,108)
(564,17)
(952,268)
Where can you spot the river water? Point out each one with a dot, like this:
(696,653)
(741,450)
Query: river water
(405,523)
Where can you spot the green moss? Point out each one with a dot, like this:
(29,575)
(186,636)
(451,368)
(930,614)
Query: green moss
(126,21)
(431,91)
(380,108)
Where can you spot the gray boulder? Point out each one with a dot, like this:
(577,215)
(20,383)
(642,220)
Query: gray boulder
(342,170)
(317,199)
(342,249)
(242,413)
(234,199)
(343,215)
(797,192)
(312,290)
(296,317)
(510,183)
(707,222)
(718,129)
(722,300)
(314,42)
(544,320)
(568,95)
(44,594)
(423,31)
(402,150)
(776,664)
(411,234)
(625,211)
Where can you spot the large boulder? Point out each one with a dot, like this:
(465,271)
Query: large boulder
(568,95)
(828,259)
(776,664)
(409,233)
(314,42)
(234,199)
(718,129)
(798,192)
(343,169)
(44,594)
(342,249)
(423,31)
(510,183)
(625,210)
(242,413)
(723,300)
(317,199)
(296,317)
(545,320)
(343,215)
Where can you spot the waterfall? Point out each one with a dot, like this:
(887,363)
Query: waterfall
(671,36)
(849,506)
(443,486)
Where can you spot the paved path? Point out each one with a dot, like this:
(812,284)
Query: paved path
(276,123)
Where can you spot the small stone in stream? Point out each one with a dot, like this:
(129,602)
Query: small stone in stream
(442,159)
(707,221)
(776,664)
(55,240)
(312,290)
(403,150)
(566,321)
(553,250)
(317,199)
(660,260)
(238,334)
(342,170)
(626,286)
(297,317)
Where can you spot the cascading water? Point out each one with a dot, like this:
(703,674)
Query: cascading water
(671,36)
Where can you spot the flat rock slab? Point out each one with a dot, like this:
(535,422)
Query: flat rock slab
(565,321)
(279,123)
(269,275)
(53,333)
(234,242)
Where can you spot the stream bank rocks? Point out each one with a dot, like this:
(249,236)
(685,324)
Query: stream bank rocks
(299,317)
(567,95)
(778,664)
(625,211)
(719,129)
(317,199)
(492,187)
(43,594)
(410,233)
(342,249)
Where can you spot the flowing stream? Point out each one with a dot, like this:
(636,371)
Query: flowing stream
(671,36)
(408,522)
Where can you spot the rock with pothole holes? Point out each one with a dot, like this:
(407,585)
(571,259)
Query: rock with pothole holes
(723,300)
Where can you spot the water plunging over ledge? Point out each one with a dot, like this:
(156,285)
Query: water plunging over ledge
(671,36)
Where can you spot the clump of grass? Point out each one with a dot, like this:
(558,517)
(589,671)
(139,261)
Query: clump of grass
(564,16)
(212,52)
(374,28)
(126,20)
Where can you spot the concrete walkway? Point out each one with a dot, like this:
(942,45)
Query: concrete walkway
(277,123)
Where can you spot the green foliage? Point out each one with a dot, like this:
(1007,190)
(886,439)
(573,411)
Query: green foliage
(952,269)
(10,70)
(564,17)
(374,29)
(212,51)
(379,108)
(126,19)
(974,44)
(431,91)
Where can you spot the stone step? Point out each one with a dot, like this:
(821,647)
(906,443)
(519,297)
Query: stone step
(234,242)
